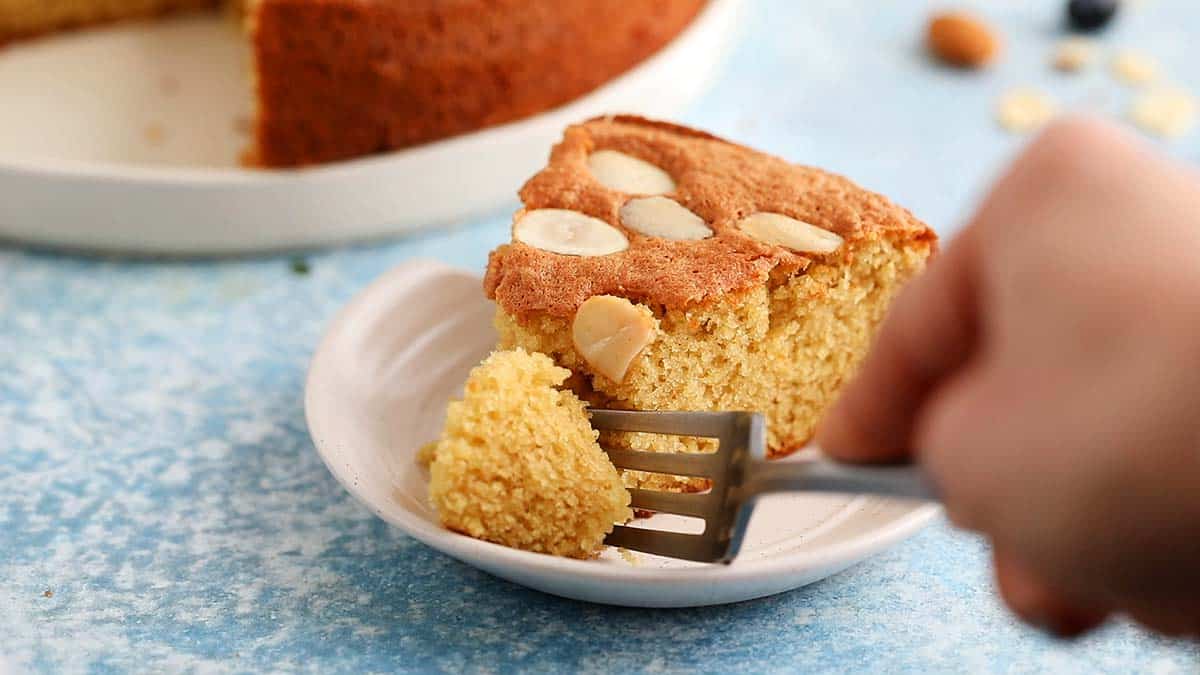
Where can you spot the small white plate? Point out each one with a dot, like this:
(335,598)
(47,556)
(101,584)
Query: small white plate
(126,138)
(377,390)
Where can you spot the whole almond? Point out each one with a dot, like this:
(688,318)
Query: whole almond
(610,332)
(961,40)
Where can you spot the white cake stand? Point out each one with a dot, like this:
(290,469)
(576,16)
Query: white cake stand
(125,139)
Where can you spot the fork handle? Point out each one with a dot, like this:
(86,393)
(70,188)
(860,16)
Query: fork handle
(820,474)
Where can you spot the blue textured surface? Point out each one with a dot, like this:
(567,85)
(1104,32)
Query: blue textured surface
(161,506)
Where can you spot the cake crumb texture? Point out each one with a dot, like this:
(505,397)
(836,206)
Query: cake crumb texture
(783,349)
(518,463)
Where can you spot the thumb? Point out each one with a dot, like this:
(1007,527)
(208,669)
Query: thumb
(928,334)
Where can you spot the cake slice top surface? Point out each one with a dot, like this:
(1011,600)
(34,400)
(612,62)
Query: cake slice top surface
(674,217)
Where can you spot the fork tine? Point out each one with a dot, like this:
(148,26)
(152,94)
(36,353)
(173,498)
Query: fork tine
(673,423)
(695,547)
(698,505)
(725,513)
(676,464)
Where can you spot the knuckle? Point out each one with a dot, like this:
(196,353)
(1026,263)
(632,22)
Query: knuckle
(962,507)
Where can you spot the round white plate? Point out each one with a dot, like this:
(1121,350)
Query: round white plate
(126,139)
(377,390)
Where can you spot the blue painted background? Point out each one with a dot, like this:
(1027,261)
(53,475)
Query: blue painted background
(161,506)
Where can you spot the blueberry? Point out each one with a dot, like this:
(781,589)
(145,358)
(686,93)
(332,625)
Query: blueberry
(1090,15)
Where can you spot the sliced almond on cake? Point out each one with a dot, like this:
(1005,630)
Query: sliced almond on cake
(663,217)
(626,173)
(797,235)
(609,332)
(568,232)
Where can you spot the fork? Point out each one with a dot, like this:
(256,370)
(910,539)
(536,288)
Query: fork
(740,474)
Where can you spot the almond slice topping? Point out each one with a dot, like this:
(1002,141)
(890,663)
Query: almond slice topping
(663,217)
(568,232)
(797,235)
(625,173)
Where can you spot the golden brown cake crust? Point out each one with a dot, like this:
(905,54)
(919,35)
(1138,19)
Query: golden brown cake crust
(719,181)
(345,78)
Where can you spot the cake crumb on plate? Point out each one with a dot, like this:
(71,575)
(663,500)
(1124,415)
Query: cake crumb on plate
(629,557)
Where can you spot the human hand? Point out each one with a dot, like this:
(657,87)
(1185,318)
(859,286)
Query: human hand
(1045,371)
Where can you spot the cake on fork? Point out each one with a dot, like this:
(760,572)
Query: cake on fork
(517,462)
(669,269)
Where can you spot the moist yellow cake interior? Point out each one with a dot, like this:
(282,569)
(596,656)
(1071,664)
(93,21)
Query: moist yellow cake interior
(784,349)
(518,463)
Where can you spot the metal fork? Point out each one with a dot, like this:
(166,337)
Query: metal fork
(739,472)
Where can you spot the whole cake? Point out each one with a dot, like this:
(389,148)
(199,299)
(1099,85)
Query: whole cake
(672,270)
(518,463)
(337,79)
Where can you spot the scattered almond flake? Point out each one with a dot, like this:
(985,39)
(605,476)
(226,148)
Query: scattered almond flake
(1074,54)
(629,557)
(1169,113)
(1134,68)
(1023,110)
(155,133)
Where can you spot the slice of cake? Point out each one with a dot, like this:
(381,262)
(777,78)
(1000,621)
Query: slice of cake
(518,463)
(672,270)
